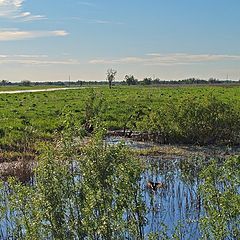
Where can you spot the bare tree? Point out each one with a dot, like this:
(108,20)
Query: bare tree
(111,73)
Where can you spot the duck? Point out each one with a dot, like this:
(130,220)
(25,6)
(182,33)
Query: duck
(155,185)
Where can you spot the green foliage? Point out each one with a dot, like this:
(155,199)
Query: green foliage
(86,193)
(208,122)
(93,191)
(221,199)
(94,109)
(110,180)
(130,80)
(147,81)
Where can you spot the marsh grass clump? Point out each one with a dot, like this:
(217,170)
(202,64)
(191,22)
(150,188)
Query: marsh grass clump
(211,121)
(193,121)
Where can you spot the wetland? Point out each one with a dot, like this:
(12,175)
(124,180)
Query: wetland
(73,166)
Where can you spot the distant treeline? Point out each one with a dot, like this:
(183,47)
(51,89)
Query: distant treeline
(129,80)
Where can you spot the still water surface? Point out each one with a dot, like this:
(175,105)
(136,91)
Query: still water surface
(177,206)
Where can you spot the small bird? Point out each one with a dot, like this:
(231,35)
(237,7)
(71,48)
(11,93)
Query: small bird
(155,185)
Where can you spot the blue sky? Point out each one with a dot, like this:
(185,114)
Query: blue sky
(48,40)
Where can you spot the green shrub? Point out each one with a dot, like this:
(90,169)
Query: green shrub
(90,193)
(221,199)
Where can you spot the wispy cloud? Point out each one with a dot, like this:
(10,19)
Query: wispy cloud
(20,35)
(169,59)
(28,56)
(26,59)
(99,21)
(12,9)
(96,21)
(85,3)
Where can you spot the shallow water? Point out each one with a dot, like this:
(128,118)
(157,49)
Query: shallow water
(175,208)
(128,142)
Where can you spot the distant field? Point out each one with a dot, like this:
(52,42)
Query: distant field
(176,113)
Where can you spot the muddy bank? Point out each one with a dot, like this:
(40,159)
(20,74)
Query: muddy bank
(21,170)
(21,165)
(149,148)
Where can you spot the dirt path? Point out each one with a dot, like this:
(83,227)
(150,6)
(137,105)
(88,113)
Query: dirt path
(39,90)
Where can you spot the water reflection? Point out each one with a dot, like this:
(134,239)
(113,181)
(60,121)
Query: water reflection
(177,207)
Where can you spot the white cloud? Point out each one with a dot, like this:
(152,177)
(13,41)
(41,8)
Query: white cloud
(28,56)
(26,59)
(99,21)
(169,59)
(12,9)
(89,4)
(96,21)
(20,35)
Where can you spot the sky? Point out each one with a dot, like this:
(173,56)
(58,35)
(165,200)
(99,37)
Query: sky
(48,40)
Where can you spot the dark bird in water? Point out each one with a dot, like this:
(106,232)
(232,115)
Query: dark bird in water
(155,185)
(88,127)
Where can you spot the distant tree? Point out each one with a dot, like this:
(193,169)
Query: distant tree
(213,80)
(111,74)
(25,83)
(130,80)
(147,81)
(4,83)
(156,81)
(80,82)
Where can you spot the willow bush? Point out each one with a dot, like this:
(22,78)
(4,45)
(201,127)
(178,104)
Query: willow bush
(220,191)
(91,192)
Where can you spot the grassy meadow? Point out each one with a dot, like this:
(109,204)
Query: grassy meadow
(175,113)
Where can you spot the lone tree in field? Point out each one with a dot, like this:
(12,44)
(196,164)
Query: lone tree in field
(111,73)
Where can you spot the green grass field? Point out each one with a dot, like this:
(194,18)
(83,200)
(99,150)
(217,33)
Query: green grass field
(193,115)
